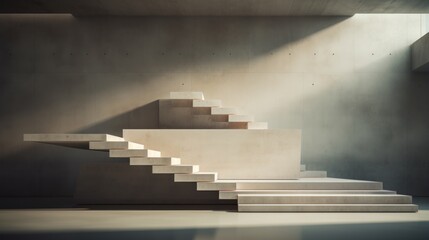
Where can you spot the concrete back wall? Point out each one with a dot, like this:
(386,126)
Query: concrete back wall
(345,81)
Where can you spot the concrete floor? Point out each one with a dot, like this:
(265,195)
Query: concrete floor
(170,222)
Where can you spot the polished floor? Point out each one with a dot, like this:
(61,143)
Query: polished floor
(197,222)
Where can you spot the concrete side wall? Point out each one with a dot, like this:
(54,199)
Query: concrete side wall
(346,82)
(420,54)
(233,154)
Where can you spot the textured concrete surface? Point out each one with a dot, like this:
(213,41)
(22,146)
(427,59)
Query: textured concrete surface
(233,154)
(214,7)
(420,54)
(345,81)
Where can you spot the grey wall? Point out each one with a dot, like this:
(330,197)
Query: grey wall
(345,81)
(420,54)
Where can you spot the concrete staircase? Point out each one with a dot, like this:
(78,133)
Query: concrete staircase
(307,194)
(213,111)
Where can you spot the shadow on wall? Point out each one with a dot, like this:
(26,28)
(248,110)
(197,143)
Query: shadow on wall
(101,74)
(396,230)
(144,117)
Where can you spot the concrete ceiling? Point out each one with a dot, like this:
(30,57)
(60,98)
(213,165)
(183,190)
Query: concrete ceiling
(214,7)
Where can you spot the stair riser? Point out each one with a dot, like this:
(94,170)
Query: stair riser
(71,138)
(134,153)
(154,161)
(195,177)
(310,186)
(203,186)
(114,145)
(174,169)
(310,208)
(388,199)
(233,195)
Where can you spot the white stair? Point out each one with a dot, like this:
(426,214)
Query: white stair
(306,194)
(187,95)
(196,177)
(134,153)
(72,137)
(114,145)
(327,208)
(216,186)
(150,161)
(295,184)
(323,199)
(206,103)
(175,169)
(233,194)
(200,107)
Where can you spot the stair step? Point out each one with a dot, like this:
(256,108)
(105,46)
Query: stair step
(175,169)
(327,208)
(216,186)
(313,174)
(257,125)
(309,184)
(150,161)
(187,95)
(294,184)
(323,199)
(223,111)
(134,153)
(303,167)
(233,194)
(206,103)
(196,177)
(70,137)
(114,145)
(240,118)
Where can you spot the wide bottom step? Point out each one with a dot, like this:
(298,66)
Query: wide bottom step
(323,199)
(327,208)
(233,194)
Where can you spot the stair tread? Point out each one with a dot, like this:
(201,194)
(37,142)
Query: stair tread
(115,145)
(71,137)
(198,173)
(248,191)
(335,207)
(326,204)
(301,180)
(322,195)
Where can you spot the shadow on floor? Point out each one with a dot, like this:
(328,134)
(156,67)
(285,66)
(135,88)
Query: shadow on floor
(402,230)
